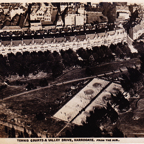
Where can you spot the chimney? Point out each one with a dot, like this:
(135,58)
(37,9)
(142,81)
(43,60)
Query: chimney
(86,35)
(11,42)
(54,39)
(43,40)
(95,35)
(32,40)
(22,41)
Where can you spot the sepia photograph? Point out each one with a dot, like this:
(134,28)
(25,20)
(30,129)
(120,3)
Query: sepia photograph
(71,70)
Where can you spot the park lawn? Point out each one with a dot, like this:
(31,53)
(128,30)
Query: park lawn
(100,69)
(70,75)
(11,90)
(47,101)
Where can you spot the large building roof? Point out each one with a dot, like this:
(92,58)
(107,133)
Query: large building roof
(11,28)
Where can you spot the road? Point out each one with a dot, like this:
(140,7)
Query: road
(58,84)
(41,88)
(69,81)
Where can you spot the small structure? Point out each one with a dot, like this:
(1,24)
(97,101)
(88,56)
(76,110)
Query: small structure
(11,28)
(59,23)
(35,25)
(122,12)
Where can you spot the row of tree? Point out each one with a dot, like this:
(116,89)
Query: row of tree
(12,133)
(91,128)
(23,64)
(133,80)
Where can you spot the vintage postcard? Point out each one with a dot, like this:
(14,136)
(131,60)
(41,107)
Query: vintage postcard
(71,72)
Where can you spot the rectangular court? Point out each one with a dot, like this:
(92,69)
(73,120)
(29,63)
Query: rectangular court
(81,100)
(100,101)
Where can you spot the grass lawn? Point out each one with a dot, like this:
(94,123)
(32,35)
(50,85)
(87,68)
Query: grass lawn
(70,75)
(47,101)
(11,90)
(80,73)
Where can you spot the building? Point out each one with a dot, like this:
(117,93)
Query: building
(35,25)
(6,9)
(70,19)
(75,16)
(43,11)
(136,31)
(63,6)
(122,12)
(18,11)
(59,23)
(11,28)
(81,10)
(56,44)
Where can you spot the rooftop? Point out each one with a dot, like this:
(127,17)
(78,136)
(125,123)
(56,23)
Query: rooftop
(11,28)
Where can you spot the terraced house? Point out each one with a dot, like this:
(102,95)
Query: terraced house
(57,43)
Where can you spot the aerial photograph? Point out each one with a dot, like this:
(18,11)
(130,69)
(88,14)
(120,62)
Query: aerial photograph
(71,69)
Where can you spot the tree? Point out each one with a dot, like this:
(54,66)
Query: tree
(43,82)
(13,132)
(89,71)
(30,86)
(34,135)
(7,23)
(117,133)
(58,57)
(20,135)
(21,20)
(134,75)
(26,135)
(91,59)
(126,83)
(90,128)
(57,69)
(40,116)
(119,99)
(118,52)
(6,129)
(126,49)
(66,59)
(112,113)
(83,53)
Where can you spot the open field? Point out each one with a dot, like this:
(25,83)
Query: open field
(11,90)
(47,101)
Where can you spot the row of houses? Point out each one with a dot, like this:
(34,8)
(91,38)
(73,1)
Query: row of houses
(12,10)
(42,12)
(46,14)
(57,43)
